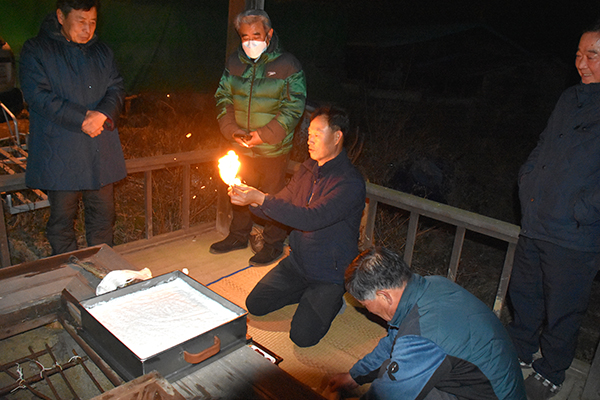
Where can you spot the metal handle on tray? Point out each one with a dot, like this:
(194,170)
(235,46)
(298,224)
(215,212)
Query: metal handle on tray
(204,354)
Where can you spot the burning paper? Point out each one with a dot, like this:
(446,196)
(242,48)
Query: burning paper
(229,165)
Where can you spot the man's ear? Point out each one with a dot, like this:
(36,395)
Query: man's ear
(385,295)
(60,16)
(339,136)
(269,36)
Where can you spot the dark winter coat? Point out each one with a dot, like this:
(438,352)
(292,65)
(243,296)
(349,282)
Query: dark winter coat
(444,337)
(559,185)
(324,206)
(267,96)
(61,81)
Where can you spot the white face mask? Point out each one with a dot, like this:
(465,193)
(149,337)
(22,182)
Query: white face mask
(254,48)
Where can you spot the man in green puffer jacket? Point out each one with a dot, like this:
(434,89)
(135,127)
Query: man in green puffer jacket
(260,99)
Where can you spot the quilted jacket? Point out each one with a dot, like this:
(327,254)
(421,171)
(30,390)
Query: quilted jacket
(267,96)
(61,81)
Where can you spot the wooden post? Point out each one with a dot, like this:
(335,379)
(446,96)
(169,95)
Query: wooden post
(459,239)
(236,7)
(411,237)
(255,4)
(4,246)
(224,215)
(148,203)
(224,212)
(233,40)
(186,197)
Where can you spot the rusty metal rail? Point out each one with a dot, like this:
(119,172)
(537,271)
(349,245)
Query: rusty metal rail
(14,370)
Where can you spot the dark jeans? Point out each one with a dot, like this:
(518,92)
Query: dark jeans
(318,302)
(268,175)
(99,210)
(435,394)
(549,291)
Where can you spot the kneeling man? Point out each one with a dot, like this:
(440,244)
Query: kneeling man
(323,205)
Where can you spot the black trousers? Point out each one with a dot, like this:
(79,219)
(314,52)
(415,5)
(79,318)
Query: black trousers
(549,291)
(268,175)
(318,302)
(99,209)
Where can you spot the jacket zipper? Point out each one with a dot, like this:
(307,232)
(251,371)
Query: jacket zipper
(250,95)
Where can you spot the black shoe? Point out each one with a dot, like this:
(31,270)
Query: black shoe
(539,388)
(228,244)
(266,255)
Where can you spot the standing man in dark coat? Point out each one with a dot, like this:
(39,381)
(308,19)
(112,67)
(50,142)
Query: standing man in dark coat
(260,100)
(75,94)
(558,252)
(323,204)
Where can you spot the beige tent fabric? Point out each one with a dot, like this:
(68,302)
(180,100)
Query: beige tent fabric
(352,334)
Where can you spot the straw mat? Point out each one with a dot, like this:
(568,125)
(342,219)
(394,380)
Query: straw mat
(351,336)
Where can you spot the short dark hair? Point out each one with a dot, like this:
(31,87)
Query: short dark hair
(66,6)
(252,16)
(592,28)
(376,268)
(337,118)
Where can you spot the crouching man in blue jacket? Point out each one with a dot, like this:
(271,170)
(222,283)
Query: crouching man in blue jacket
(442,343)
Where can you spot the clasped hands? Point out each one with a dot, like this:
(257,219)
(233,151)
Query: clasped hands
(93,124)
(243,195)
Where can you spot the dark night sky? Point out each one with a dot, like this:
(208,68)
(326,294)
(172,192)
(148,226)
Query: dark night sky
(540,27)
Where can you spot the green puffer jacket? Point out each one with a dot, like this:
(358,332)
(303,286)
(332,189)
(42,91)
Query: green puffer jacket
(267,96)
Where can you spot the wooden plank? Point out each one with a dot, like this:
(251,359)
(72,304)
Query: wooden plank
(151,386)
(224,215)
(504,278)
(459,239)
(369,229)
(12,182)
(46,264)
(445,213)
(186,198)
(591,390)
(4,247)
(135,165)
(21,164)
(243,374)
(148,203)
(411,237)
(15,326)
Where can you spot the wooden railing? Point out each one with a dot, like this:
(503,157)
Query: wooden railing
(16,182)
(461,219)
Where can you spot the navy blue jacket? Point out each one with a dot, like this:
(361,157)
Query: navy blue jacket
(324,206)
(444,337)
(559,185)
(61,81)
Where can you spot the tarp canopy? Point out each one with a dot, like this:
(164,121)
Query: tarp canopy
(180,45)
(159,45)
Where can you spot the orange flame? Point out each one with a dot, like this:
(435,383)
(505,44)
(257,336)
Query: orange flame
(229,165)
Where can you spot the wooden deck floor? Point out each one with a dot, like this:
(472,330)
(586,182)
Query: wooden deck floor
(190,251)
(186,250)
